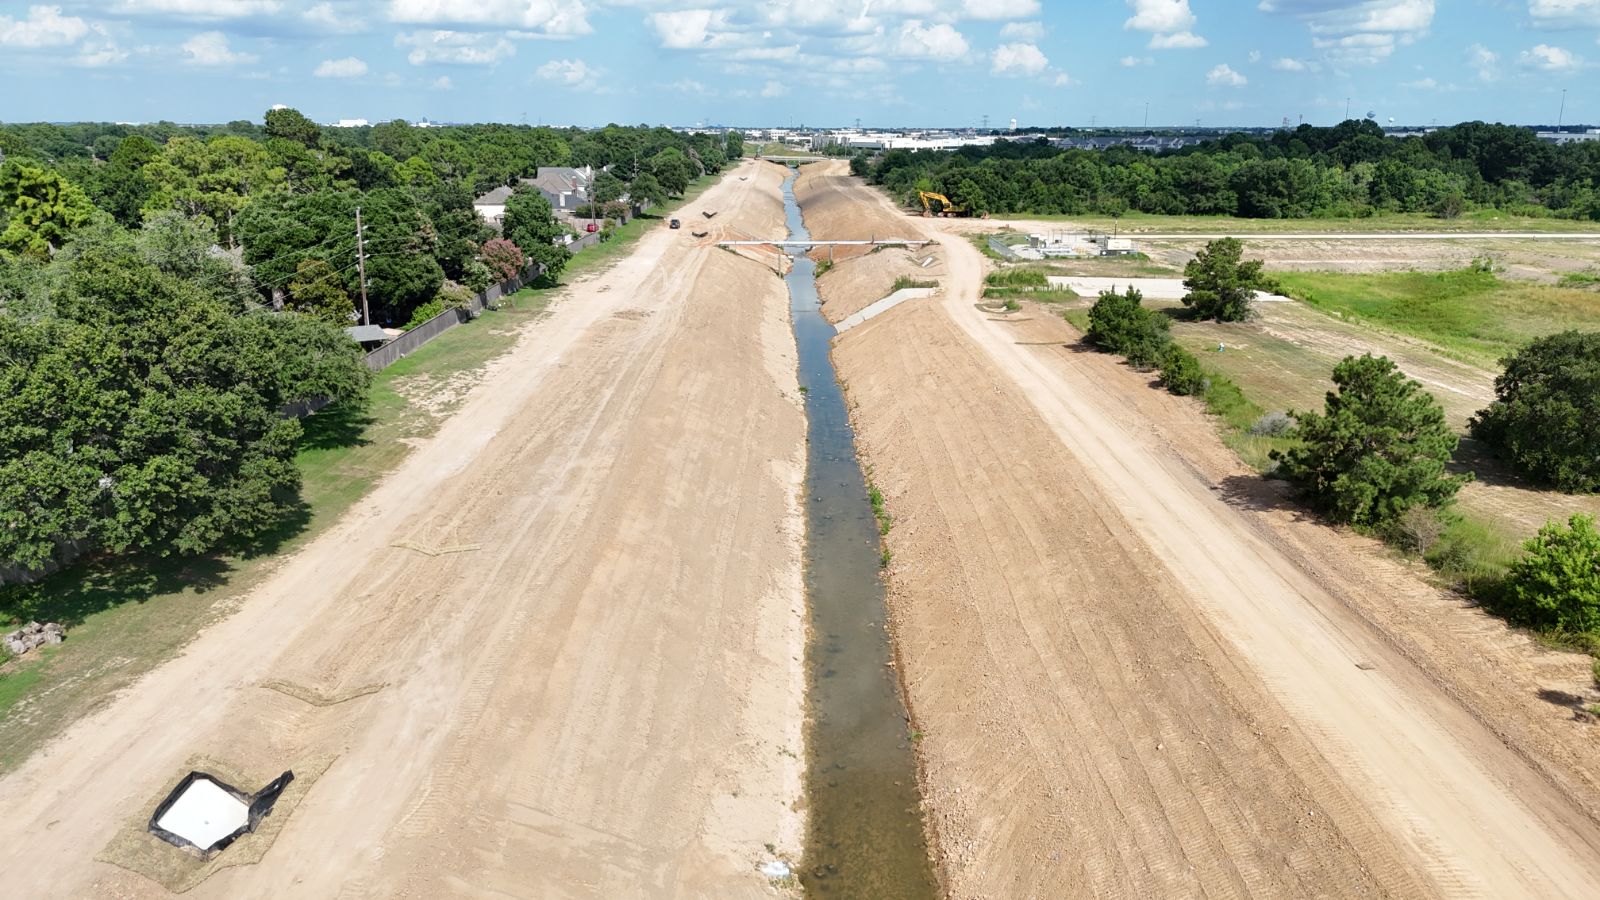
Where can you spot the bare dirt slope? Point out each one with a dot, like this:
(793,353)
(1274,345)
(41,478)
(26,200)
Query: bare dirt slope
(1130,685)
(597,696)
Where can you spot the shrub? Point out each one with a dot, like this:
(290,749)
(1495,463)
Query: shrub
(1273,424)
(1221,286)
(1118,323)
(1545,421)
(1556,584)
(504,258)
(1180,372)
(1017,278)
(1378,449)
(1419,528)
(425,312)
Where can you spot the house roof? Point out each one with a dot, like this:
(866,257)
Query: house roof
(496,197)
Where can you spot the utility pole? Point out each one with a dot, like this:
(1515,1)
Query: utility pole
(1561,117)
(1346,109)
(1147,114)
(361,269)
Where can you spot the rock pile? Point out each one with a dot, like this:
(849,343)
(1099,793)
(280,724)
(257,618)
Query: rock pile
(33,635)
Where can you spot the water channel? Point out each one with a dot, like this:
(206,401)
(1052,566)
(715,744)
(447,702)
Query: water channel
(865,830)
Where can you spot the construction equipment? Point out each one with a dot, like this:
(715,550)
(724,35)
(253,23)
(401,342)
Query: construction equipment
(700,234)
(946,208)
(674,224)
(710,214)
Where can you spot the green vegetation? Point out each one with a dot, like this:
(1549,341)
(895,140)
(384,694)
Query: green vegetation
(1545,421)
(1222,286)
(1351,170)
(906,281)
(1119,323)
(1180,372)
(1379,447)
(1580,280)
(1018,278)
(1556,584)
(879,511)
(1469,313)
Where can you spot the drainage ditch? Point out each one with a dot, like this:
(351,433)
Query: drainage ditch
(865,835)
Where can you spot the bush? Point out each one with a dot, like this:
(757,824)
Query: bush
(1017,278)
(1273,424)
(1180,372)
(1419,528)
(425,312)
(1556,584)
(1378,449)
(504,258)
(1118,323)
(1545,421)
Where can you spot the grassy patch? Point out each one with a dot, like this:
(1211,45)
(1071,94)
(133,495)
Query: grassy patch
(1580,280)
(1018,278)
(1471,315)
(906,281)
(126,616)
(1051,295)
(1132,224)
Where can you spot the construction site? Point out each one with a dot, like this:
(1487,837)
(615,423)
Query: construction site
(776,560)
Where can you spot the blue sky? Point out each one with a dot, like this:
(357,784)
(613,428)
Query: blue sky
(815,62)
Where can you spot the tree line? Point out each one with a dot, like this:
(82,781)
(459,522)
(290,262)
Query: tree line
(1351,169)
(169,293)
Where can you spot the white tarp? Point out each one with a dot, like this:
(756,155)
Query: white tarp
(205,813)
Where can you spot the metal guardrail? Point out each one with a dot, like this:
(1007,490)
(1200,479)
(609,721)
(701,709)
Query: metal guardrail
(1004,249)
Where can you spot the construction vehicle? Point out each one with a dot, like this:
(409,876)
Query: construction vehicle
(710,214)
(674,224)
(946,208)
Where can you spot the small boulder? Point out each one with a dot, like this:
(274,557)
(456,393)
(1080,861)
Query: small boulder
(33,635)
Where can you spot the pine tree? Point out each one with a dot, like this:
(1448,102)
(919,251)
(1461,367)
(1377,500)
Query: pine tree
(1379,447)
(1221,287)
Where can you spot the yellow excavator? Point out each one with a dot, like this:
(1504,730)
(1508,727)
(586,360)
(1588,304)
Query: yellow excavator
(946,208)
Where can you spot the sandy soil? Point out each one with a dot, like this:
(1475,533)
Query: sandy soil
(1138,675)
(598,696)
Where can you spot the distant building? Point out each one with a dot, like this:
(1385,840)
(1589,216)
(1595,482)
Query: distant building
(1569,137)
(350,123)
(565,188)
(492,206)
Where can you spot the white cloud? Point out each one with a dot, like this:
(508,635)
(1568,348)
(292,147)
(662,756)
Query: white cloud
(442,83)
(1421,84)
(546,18)
(1288,64)
(456,48)
(210,48)
(1022,31)
(1169,22)
(45,26)
(1255,56)
(1564,13)
(1018,59)
(774,89)
(203,10)
(938,41)
(98,52)
(1358,32)
(566,71)
(1485,61)
(325,17)
(1551,59)
(1129,62)
(1000,9)
(690,29)
(1223,75)
(349,67)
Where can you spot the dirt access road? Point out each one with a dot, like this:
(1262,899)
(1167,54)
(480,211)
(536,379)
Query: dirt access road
(1128,684)
(599,696)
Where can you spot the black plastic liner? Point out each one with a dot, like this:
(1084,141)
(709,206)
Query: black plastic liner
(260,804)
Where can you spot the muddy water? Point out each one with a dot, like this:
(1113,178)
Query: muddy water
(865,833)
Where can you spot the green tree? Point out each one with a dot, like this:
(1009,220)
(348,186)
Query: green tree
(318,291)
(42,209)
(212,179)
(1119,323)
(140,410)
(1379,447)
(1221,286)
(970,197)
(530,223)
(1545,420)
(673,170)
(1556,583)
(290,125)
(607,187)
(647,191)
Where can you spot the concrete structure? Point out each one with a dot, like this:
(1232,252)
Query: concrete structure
(883,306)
(205,814)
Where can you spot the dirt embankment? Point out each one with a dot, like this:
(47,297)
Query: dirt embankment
(859,276)
(1135,677)
(557,654)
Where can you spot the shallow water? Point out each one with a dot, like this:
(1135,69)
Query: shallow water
(865,830)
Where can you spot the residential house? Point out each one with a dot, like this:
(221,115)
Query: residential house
(565,188)
(492,206)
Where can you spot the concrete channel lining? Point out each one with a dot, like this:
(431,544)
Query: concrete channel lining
(883,306)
